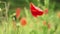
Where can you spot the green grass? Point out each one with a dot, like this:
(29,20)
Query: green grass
(36,23)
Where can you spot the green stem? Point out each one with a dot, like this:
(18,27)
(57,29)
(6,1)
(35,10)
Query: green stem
(26,12)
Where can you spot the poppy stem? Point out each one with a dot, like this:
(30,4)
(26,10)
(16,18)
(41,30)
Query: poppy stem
(46,2)
(26,12)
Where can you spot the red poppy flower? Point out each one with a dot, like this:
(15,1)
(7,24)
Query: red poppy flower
(46,11)
(48,25)
(44,22)
(35,10)
(23,21)
(17,12)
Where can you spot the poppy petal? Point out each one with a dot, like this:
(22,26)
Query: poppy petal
(17,12)
(35,10)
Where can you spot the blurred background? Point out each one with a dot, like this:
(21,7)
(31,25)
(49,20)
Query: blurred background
(52,4)
(8,20)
